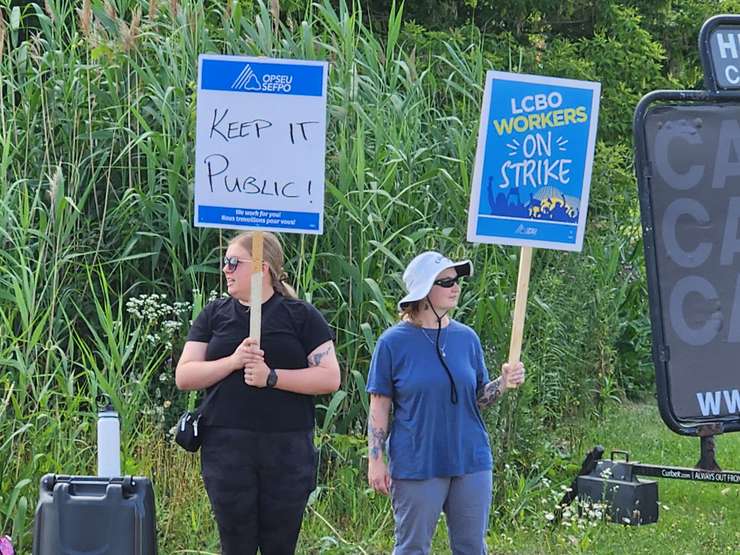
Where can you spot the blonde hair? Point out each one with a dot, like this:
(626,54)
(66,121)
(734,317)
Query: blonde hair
(410,311)
(272,254)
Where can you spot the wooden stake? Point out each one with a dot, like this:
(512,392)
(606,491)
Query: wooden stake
(520,305)
(255,299)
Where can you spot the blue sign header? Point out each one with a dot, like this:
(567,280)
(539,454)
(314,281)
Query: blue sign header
(257,77)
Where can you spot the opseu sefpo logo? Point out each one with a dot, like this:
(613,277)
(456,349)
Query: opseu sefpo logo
(249,80)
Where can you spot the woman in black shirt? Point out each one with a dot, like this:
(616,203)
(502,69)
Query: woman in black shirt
(257,457)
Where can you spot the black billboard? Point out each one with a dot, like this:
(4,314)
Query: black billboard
(690,203)
(687,161)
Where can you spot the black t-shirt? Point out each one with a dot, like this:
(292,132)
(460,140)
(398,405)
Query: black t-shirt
(291,330)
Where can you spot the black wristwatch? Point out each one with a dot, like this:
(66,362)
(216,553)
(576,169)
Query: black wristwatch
(272,378)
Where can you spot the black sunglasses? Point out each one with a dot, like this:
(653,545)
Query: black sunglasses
(231,262)
(447,282)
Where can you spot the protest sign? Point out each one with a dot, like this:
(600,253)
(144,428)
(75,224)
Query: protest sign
(533,162)
(260,144)
(533,170)
(259,150)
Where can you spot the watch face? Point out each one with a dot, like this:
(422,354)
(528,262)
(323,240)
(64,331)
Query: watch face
(272,378)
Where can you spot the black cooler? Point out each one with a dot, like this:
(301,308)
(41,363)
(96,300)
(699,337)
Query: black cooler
(87,515)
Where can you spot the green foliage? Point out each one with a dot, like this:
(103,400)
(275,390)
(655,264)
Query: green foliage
(345,517)
(101,268)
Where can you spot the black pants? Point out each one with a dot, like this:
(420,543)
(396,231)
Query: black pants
(258,484)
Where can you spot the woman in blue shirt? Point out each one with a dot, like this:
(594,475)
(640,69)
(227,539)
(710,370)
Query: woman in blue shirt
(430,369)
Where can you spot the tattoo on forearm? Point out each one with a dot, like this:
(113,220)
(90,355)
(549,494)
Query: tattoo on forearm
(376,441)
(315,358)
(490,393)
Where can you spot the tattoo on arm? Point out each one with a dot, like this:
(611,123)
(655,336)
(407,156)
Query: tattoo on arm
(315,358)
(490,393)
(376,437)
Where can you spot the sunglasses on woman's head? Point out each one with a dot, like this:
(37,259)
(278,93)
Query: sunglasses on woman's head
(231,262)
(447,282)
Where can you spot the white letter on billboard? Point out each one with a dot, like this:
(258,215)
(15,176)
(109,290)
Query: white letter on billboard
(725,45)
(708,330)
(732,80)
(730,240)
(729,138)
(676,209)
(670,131)
(733,336)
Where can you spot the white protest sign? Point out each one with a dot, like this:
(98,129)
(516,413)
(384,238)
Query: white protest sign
(260,144)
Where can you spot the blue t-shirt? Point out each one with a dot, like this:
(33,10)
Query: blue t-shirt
(430,436)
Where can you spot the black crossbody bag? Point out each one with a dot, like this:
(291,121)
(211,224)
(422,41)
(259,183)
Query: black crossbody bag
(188,435)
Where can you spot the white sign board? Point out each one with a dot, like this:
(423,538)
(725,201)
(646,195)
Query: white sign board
(260,144)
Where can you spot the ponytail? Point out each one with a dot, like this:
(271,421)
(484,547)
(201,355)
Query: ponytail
(272,254)
(279,284)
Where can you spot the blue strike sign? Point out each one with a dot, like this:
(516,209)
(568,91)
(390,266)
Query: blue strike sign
(533,161)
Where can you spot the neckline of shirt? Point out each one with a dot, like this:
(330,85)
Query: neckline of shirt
(452,321)
(265,304)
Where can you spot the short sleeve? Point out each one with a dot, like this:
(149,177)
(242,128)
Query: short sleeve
(315,330)
(201,329)
(380,376)
(481,372)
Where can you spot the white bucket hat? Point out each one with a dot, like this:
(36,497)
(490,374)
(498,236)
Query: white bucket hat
(421,272)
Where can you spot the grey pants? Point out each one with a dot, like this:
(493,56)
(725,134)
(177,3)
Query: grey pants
(465,500)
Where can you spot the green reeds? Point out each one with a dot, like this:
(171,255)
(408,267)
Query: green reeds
(97,120)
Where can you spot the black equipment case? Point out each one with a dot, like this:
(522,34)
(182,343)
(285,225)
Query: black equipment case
(628,499)
(88,515)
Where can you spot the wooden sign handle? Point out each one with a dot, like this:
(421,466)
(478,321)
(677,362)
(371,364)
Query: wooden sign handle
(255,298)
(520,305)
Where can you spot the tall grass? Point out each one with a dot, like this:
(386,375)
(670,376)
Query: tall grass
(97,121)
